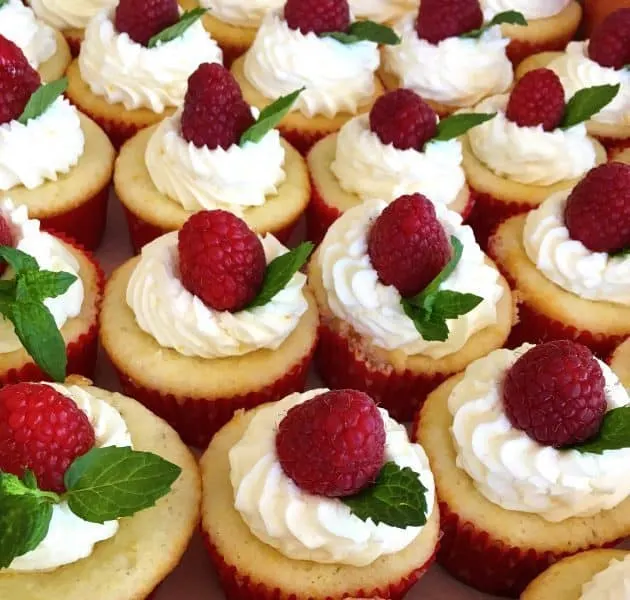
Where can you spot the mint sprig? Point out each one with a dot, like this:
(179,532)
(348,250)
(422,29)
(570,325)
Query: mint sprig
(397,498)
(366,31)
(586,103)
(620,253)
(280,271)
(22,302)
(614,434)
(3,3)
(269,117)
(509,17)
(176,30)
(456,125)
(430,309)
(41,99)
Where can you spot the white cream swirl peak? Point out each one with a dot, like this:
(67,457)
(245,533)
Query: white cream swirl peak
(242,14)
(530,9)
(67,14)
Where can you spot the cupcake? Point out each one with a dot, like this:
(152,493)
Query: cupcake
(399,148)
(211,154)
(100,497)
(525,466)
(620,362)
(535,146)
(602,60)
(53,294)
(209,320)
(53,159)
(568,262)
(406,298)
(45,49)
(134,64)
(448,56)
(313,45)
(382,11)
(595,11)
(296,501)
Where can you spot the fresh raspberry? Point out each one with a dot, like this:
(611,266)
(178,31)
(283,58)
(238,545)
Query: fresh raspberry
(407,245)
(6,239)
(41,430)
(332,445)
(597,212)
(18,81)
(215,114)
(403,119)
(142,19)
(610,42)
(555,394)
(537,99)
(441,19)
(221,260)
(317,16)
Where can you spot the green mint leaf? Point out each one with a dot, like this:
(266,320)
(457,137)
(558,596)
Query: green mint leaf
(110,483)
(174,31)
(19,261)
(446,272)
(366,31)
(448,304)
(397,498)
(8,288)
(620,253)
(586,103)
(30,481)
(269,117)
(3,3)
(509,17)
(614,433)
(41,99)
(432,329)
(456,125)
(279,272)
(39,285)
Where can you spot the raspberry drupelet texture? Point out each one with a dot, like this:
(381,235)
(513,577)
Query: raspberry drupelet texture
(215,114)
(537,99)
(317,16)
(332,445)
(441,19)
(597,212)
(610,42)
(221,260)
(142,19)
(403,119)
(18,81)
(555,393)
(6,239)
(407,244)
(43,431)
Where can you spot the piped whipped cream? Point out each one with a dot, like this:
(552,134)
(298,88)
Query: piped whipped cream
(382,11)
(357,296)
(530,9)
(200,178)
(366,167)
(577,71)
(123,71)
(19,24)
(337,77)
(303,526)
(568,262)
(178,319)
(41,150)
(456,71)
(613,583)
(517,473)
(530,155)
(66,14)
(50,255)
(239,13)
(69,537)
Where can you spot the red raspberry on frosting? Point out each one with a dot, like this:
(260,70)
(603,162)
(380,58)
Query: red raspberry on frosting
(537,99)
(215,114)
(441,19)
(6,239)
(18,81)
(332,445)
(43,431)
(610,42)
(407,245)
(597,212)
(142,19)
(403,119)
(555,393)
(221,260)
(317,16)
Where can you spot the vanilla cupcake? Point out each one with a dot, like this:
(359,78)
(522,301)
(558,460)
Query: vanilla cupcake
(620,362)
(382,11)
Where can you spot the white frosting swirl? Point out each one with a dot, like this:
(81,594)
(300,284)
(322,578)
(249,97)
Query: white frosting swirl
(303,526)
(50,255)
(356,295)
(530,155)
(577,71)
(123,71)
(530,9)
(177,319)
(456,71)
(66,14)
(613,583)
(382,11)
(517,473)
(365,166)
(337,77)
(239,13)
(200,178)
(42,149)
(568,262)
(19,25)
(69,537)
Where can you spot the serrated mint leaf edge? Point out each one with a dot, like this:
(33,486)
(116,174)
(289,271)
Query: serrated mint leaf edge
(573,104)
(366,31)
(172,32)
(507,17)
(42,99)
(598,444)
(443,135)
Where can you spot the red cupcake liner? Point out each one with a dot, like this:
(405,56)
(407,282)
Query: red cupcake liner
(489,565)
(74,43)
(231,52)
(519,50)
(613,145)
(302,141)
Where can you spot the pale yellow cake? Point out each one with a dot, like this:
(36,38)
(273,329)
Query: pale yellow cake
(620,363)
(55,67)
